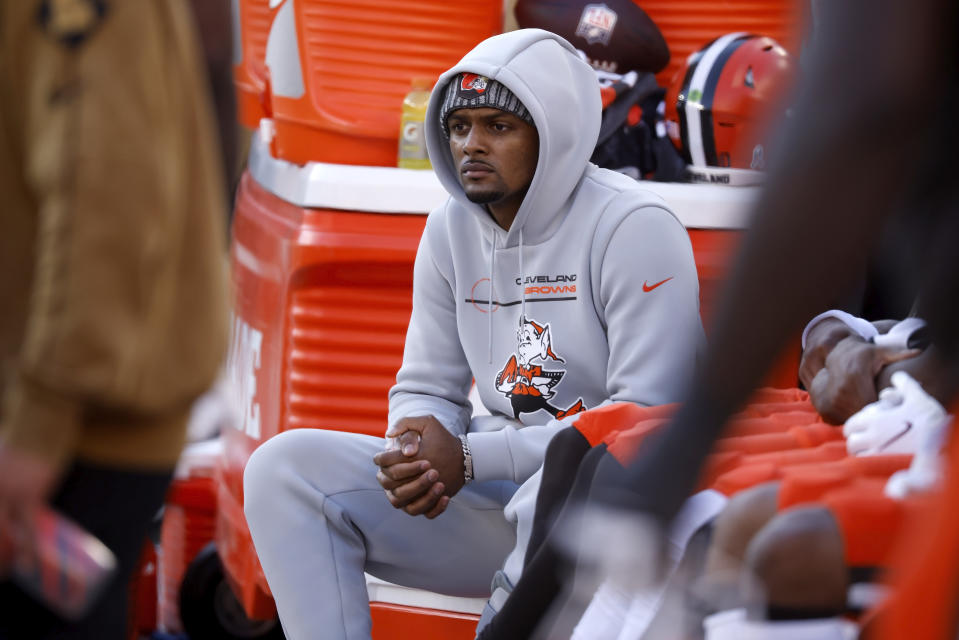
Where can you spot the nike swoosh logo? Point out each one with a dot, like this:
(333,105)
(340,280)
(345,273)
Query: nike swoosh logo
(896,437)
(649,287)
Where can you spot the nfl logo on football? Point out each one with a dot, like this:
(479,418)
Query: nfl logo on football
(596,24)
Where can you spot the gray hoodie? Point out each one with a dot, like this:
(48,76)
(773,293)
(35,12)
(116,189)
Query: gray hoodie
(590,297)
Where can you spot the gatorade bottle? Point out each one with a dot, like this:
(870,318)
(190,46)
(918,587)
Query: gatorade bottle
(412,148)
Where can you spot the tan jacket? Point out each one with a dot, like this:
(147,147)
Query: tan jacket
(112,268)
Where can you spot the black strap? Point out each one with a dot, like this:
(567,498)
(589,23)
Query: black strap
(615,114)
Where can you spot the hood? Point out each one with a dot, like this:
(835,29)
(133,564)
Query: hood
(561,92)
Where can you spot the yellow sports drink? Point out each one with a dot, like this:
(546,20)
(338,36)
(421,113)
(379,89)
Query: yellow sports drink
(412,147)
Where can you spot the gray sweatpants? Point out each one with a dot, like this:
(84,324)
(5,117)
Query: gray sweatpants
(319,518)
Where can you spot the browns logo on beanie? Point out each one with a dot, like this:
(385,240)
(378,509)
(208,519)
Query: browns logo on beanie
(472,91)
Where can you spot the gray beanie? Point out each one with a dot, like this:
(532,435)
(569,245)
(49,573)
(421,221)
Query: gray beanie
(471,91)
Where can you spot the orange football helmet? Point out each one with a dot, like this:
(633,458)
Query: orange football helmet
(719,101)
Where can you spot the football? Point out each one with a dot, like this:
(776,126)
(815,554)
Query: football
(615,35)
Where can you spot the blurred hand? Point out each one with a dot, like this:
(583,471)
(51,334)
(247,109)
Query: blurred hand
(25,483)
(847,382)
(820,341)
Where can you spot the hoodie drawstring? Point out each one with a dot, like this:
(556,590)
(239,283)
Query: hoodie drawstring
(489,303)
(522,275)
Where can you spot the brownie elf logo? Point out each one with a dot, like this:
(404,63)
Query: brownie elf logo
(529,386)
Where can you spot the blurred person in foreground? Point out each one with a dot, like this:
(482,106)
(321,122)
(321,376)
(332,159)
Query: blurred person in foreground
(872,135)
(113,276)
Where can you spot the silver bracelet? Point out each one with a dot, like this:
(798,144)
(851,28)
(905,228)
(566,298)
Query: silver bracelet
(467,460)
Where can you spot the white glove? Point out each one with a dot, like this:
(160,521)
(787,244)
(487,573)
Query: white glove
(898,336)
(905,419)
(924,474)
(864,328)
(927,468)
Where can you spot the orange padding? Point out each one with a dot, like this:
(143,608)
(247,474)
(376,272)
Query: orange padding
(752,470)
(799,436)
(775,420)
(401,622)
(926,564)
(779,436)
(871,523)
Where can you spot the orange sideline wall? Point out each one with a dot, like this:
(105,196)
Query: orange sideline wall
(689,24)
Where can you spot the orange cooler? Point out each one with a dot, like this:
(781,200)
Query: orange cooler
(322,268)
(251,26)
(339,70)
